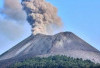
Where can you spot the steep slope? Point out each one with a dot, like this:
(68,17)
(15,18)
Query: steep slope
(65,43)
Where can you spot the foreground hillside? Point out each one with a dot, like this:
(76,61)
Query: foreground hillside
(55,62)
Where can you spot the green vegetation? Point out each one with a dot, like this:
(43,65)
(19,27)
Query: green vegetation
(55,62)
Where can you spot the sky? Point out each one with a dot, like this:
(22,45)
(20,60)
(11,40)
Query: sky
(79,16)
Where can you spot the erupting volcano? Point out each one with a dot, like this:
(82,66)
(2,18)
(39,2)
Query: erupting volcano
(42,16)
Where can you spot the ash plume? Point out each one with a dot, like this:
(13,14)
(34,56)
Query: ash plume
(13,10)
(42,16)
(12,19)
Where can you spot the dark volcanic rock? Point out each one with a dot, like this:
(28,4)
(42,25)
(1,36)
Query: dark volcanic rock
(65,43)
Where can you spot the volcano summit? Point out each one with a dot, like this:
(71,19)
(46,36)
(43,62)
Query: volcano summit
(65,43)
(42,16)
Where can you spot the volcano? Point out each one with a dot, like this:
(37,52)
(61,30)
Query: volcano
(64,43)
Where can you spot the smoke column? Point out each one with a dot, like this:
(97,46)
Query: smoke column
(42,16)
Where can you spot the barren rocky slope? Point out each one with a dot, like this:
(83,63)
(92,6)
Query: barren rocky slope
(65,43)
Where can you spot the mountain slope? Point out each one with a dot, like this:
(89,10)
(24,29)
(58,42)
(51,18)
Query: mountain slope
(65,43)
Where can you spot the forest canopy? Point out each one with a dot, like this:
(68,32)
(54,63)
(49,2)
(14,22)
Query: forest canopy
(55,62)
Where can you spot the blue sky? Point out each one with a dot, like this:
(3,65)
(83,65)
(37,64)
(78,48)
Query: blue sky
(1,3)
(79,16)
